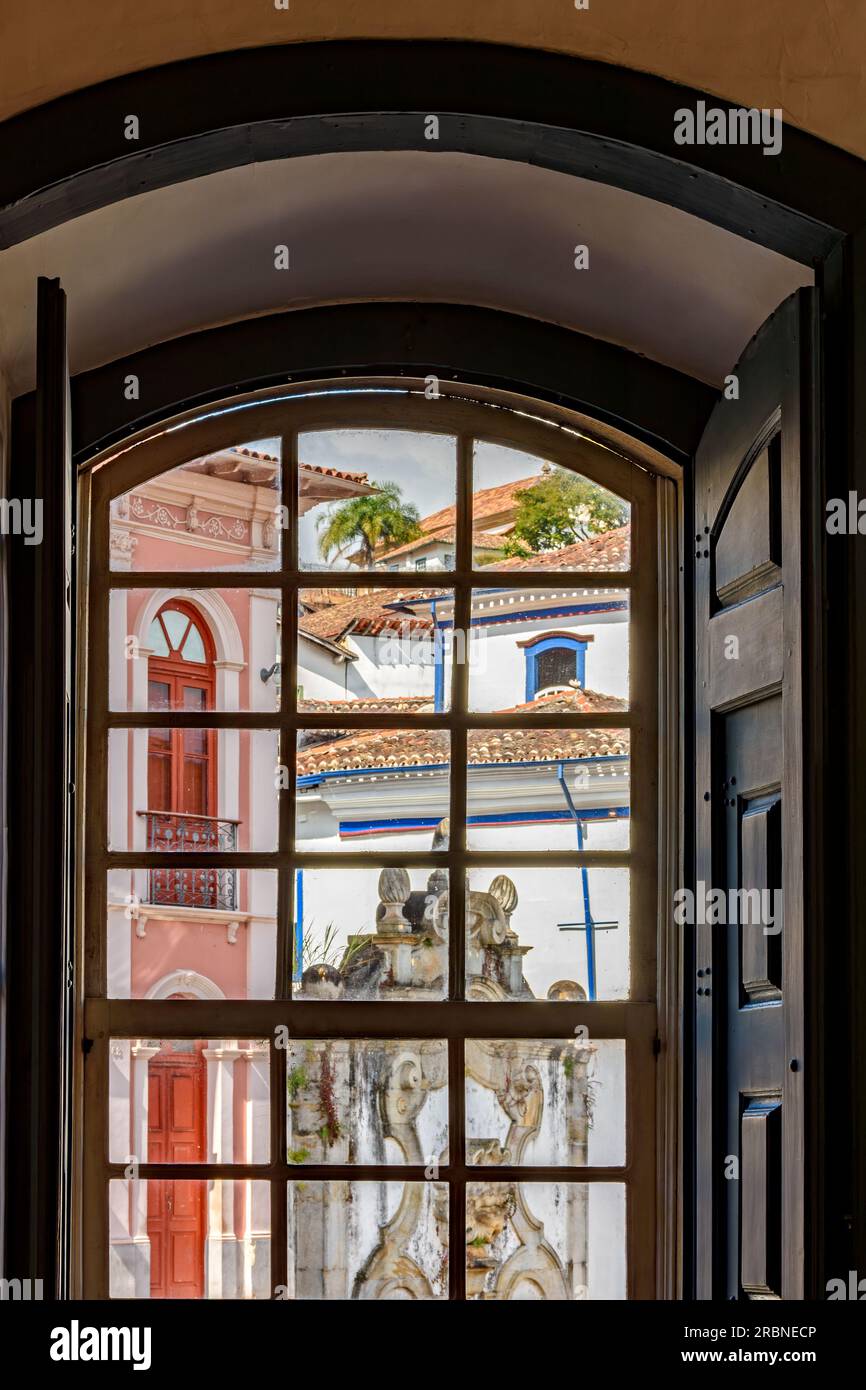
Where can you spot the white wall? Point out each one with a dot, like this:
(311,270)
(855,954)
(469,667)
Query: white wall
(498,664)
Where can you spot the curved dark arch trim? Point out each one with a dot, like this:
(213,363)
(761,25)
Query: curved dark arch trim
(586,118)
(485,347)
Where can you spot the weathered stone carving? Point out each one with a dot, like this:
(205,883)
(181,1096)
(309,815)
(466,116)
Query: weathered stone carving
(346,1106)
(394,889)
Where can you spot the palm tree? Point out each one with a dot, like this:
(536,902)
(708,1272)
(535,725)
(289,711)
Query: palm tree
(382,519)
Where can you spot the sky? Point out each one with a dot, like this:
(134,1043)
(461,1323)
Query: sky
(424,465)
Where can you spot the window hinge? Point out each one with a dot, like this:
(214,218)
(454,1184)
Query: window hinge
(657,1045)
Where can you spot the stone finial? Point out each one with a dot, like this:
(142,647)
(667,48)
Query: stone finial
(566,990)
(438,882)
(505,893)
(394,888)
(442,834)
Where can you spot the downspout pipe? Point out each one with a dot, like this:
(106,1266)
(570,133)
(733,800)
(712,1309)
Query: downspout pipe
(438,660)
(299,926)
(584,874)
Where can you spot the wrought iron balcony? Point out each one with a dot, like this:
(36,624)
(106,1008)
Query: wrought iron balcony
(176,833)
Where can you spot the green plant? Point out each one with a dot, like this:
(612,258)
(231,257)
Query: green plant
(568,1065)
(297,1080)
(298,1155)
(329,1135)
(480,1241)
(379,521)
(323,948)
(561,509)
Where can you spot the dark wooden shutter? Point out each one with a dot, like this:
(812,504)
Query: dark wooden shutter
(753,480)
(40,822)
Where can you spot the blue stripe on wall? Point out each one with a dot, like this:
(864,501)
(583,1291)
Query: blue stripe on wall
(350,830)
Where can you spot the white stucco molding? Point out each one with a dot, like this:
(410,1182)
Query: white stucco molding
(217,615)
(185,982)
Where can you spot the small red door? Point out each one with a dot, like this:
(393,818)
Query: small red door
(176,1134)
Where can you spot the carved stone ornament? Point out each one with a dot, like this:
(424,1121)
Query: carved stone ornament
(394,888)
(486,920)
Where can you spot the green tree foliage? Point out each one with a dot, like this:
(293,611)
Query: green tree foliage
(365,523)
(561,509)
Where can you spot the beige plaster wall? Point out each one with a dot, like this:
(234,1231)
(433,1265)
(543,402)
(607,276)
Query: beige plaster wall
(806,56)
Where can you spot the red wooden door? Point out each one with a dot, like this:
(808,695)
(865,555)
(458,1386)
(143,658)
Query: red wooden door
(176,1134)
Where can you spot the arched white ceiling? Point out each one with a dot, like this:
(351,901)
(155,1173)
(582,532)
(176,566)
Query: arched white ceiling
(411,225)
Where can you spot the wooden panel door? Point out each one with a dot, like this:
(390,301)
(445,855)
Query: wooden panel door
(752,480)
(176,1134)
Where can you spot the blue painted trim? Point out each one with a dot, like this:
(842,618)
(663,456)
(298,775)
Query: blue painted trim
(565,611)
(438,661)
(550,644)
(299,923)
(313,779)
(355,829)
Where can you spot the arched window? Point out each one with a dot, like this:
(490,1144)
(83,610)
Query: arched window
(554,661)
(180,672)
(435,839)
(181,763)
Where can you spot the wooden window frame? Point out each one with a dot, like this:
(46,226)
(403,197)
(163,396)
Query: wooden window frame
(647,1021)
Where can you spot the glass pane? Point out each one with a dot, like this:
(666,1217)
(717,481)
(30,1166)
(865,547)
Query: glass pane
(545,1240)
(176,625)
(192,791)
(558,653)
(213,649)
(358,1101)
(548,789)
(156,638)
(193,647)
(376,499)
(188,1101)
(368,1240)
(190,1239)
(558,934)
(381,650)
(372,789)
(554,1103)
(221,511)
(365,934)
(529,513)
(197,933)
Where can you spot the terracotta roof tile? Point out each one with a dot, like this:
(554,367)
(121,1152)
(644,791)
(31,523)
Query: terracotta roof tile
(368,615)
(576,701)
(609,551)
(384,748)
(334,473)
(379,704)
(242,452)
(440,526)
(481,540)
